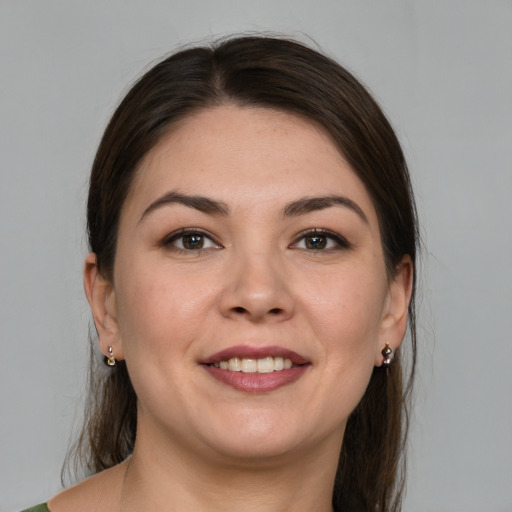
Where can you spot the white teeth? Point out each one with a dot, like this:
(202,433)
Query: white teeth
(249,365)
(278,363)
(266,365)
(263,365)
(235,364)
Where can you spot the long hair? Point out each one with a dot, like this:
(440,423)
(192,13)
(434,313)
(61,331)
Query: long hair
(289,76)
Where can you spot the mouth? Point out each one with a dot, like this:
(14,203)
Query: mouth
(267,364)
(256,369)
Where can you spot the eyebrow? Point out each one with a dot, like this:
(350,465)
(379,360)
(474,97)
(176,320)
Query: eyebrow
(214,207)
(312,204)
(203,204)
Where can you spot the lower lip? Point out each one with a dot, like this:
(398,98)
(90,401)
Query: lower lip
(257,382)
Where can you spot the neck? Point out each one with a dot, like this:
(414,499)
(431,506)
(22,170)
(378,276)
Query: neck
(170,478)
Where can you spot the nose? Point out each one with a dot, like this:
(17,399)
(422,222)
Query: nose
(257,289)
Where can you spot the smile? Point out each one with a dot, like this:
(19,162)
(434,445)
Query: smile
(256,369)
(267,364)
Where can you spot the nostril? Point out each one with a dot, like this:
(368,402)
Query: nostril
(242,310)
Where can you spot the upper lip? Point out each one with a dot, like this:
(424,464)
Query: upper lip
(248,352)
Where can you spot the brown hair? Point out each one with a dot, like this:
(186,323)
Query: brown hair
(286,75)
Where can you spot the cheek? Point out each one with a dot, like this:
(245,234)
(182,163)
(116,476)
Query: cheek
(346,319)
(158,311)
(160,316)
(348,306)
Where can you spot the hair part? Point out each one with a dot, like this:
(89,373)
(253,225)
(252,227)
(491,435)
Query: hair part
(288,76)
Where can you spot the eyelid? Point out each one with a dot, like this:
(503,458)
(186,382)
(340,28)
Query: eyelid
(341,241)
(175,235)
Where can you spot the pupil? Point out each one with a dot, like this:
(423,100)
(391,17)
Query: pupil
(316,242)
(193,241)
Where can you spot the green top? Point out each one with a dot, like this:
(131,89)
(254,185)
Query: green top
(38,508)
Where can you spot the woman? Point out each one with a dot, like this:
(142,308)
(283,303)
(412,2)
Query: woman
(253,237)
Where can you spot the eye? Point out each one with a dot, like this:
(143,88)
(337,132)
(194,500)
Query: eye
(190,240)
(320,240)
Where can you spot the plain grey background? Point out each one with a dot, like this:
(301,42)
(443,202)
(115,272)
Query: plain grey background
(443,72)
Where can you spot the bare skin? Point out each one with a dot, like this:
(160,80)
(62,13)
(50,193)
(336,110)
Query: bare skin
(100,492)
(124,488)
(268,272)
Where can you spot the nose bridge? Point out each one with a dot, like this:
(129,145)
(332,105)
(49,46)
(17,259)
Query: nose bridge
(256,286)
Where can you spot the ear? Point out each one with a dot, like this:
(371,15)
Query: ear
(394,321)
(101,295)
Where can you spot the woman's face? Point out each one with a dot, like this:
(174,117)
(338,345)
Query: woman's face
(247,242)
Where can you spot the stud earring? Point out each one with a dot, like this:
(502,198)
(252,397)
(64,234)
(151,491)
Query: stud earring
(388,354)
(110,359)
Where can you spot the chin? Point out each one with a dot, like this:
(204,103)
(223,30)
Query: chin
(253,451)
(266,437)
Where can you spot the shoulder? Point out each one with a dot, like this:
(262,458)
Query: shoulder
(93,494)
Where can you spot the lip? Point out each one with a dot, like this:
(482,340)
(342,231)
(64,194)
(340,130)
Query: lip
(256,382)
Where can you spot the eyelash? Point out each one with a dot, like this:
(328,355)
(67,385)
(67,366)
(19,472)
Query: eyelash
(182,233)
(339,241)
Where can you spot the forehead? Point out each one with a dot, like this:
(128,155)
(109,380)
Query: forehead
(247,156)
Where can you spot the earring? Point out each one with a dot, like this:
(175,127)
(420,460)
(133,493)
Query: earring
(388,354)
(110,359)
